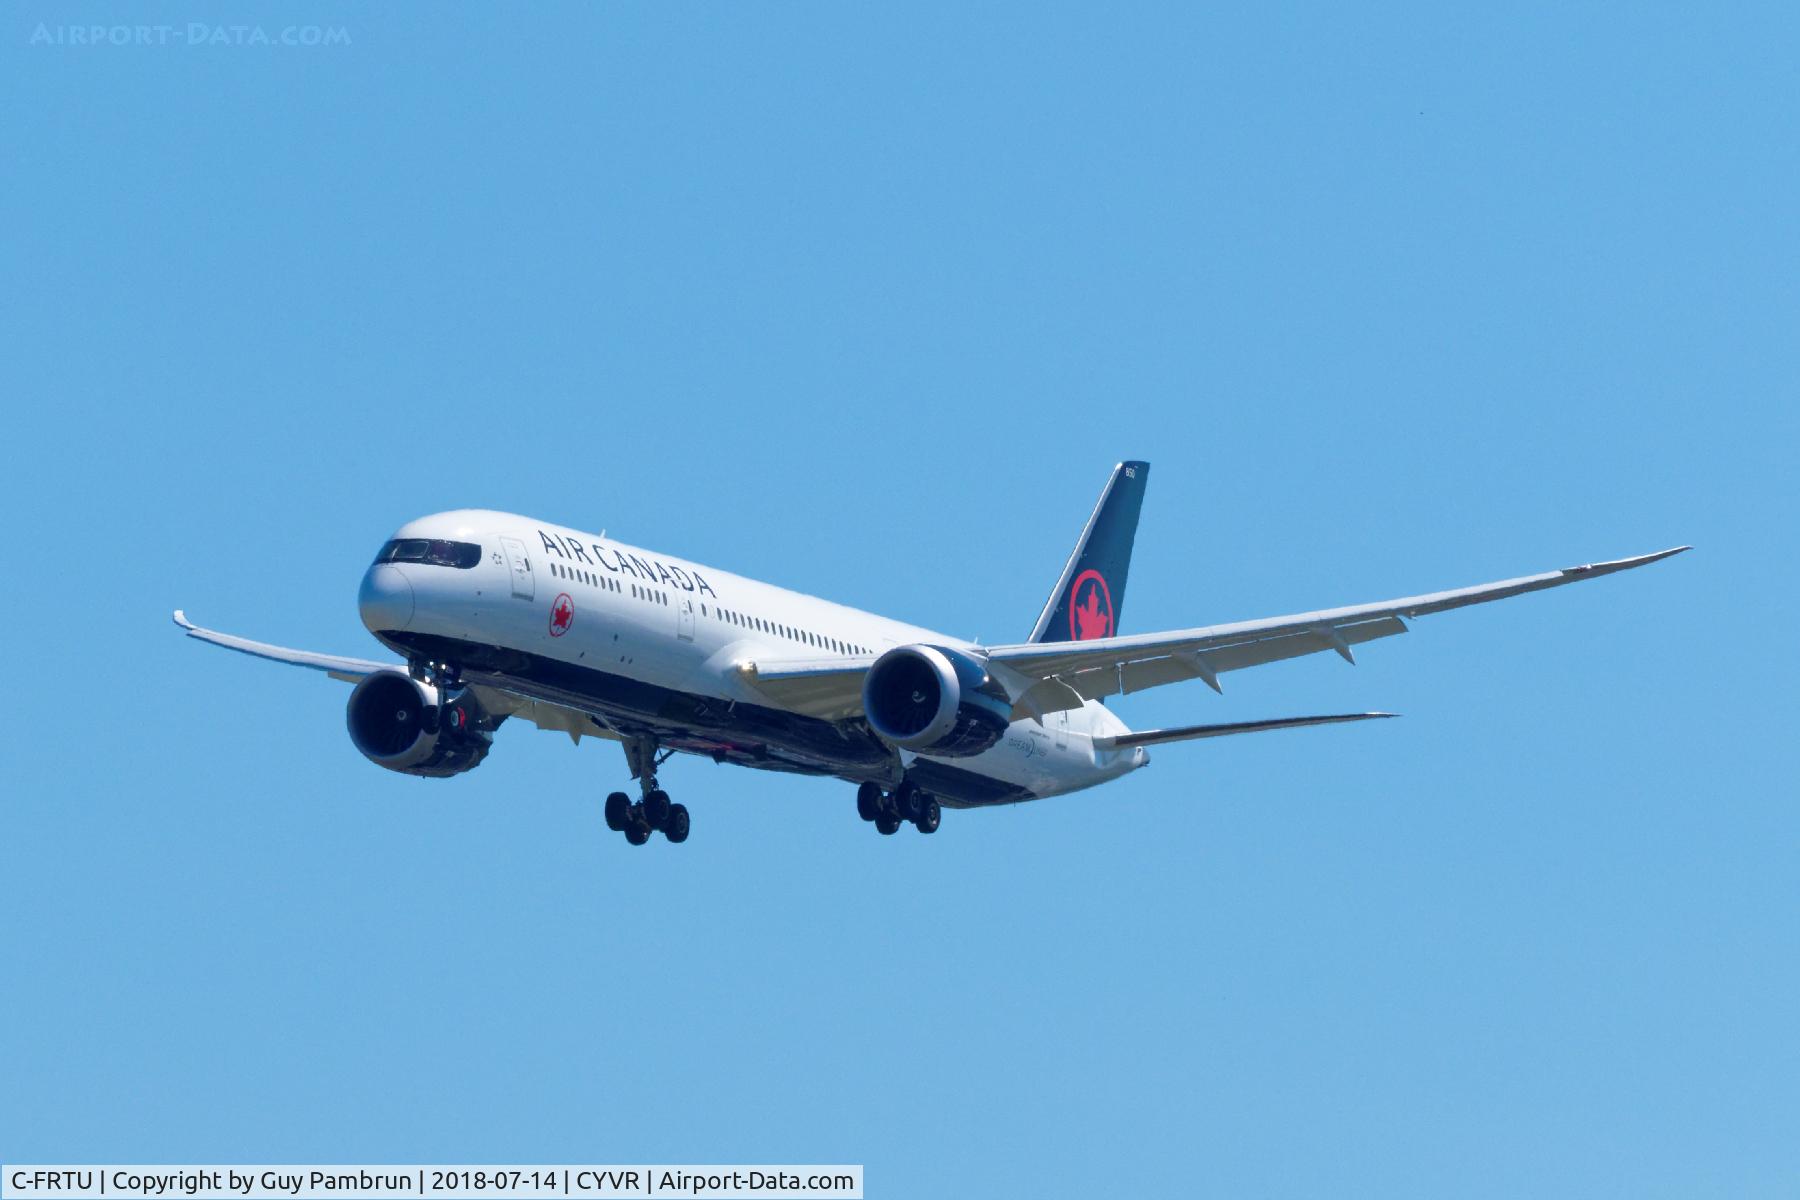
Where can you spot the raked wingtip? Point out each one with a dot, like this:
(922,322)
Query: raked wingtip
(1625,564)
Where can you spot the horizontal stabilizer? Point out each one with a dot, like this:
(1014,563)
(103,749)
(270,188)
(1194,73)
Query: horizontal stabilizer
(1150,737)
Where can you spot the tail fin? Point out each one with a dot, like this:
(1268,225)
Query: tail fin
(1090,595)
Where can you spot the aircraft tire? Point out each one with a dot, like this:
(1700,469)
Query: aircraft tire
(930,816)
(886,825)
(656,808)
(909,802)
(868,801)
(637,833)
(676,827)
(618,811)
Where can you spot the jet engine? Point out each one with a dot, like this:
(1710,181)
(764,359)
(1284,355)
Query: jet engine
(935,700)
(408,726)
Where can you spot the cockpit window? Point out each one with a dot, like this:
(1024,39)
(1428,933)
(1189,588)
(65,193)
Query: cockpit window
(432,551)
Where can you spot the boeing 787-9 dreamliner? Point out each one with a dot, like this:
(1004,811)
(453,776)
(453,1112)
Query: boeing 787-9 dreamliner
(496,616)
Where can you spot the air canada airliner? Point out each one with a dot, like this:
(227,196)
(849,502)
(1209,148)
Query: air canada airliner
(495,616)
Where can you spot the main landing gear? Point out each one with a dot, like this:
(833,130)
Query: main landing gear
(655,810)
(889,809)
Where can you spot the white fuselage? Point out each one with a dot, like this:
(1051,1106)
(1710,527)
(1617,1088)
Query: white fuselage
(574,603)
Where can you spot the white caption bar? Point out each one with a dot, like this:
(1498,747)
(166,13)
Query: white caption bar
(440,1182)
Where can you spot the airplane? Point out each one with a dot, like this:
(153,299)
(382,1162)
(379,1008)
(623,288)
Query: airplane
(497,616)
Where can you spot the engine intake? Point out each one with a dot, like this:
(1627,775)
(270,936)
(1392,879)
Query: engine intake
(935,700)
(407,726)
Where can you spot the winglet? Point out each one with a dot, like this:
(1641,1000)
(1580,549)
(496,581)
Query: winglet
(181,620)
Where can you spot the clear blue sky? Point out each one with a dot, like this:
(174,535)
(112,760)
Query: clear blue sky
(867,303)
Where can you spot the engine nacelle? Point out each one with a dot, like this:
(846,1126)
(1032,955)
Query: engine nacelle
(405,725)
(935,700)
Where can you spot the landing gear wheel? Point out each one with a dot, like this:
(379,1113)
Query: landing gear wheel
(909,802)
(868,801)
(637,833)
(675,828)
(929,816)
(656,808)
(885,825)
(618,811)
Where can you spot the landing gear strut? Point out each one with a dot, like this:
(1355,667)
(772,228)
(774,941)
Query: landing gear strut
(445,677)
(889,810)
(655,810)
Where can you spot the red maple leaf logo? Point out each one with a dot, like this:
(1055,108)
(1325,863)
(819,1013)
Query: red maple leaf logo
(1090,620)
(561,614)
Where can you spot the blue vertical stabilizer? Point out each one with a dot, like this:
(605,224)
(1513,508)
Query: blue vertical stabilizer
(1090,594)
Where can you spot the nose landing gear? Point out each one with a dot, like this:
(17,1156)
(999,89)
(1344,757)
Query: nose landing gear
(889,810)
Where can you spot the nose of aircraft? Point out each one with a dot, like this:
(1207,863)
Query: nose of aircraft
(386,598)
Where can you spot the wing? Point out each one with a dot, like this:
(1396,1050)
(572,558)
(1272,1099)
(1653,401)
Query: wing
(1109,666)
(1042,677)
(497,700)
(350,670)
(830,688)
